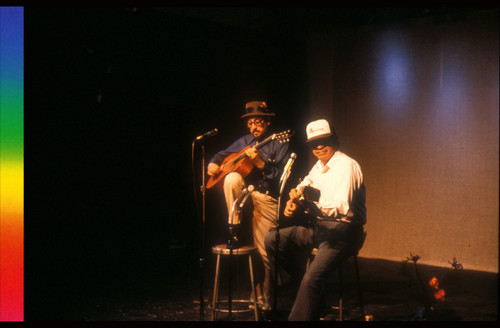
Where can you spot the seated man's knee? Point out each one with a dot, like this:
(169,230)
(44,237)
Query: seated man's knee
(302,233)
(233,178)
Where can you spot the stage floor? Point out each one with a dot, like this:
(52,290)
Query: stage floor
(173,291)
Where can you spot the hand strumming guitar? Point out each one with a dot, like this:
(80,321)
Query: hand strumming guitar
(297,200)
(292,204)
(254,156)
(213,169)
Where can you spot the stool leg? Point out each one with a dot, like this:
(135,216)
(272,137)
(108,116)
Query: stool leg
(358,283)
(341,306)
(215,296)
(254,294)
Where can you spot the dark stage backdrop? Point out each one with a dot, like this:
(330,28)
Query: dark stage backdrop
(114,99)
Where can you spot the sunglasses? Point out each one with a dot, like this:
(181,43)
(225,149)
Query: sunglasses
(319,144)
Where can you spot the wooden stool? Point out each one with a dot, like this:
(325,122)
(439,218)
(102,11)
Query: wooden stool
(241,251)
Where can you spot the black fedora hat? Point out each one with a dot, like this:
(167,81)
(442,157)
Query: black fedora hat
(257,108)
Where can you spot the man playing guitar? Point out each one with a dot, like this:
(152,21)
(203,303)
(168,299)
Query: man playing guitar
(257,159)
(335,225)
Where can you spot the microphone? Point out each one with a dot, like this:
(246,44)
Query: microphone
(288,166)
(249,190)
(208,134)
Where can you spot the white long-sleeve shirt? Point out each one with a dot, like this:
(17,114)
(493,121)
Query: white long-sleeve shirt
(340,182)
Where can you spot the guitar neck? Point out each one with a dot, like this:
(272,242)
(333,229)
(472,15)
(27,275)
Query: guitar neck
(260,144)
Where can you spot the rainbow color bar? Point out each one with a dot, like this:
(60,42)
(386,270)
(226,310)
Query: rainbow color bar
(11,164)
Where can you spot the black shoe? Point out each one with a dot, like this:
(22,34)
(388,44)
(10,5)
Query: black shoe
(267,315)
(234,235)
(234,244)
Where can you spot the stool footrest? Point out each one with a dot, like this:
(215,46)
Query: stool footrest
(246,304)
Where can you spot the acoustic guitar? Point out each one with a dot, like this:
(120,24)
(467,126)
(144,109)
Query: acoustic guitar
(239,162)
(307,195)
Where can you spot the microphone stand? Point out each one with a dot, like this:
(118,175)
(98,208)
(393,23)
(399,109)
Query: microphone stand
(276,247)
(202,232)
(230,245)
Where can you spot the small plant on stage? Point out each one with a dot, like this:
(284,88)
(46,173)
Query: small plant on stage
(430,291)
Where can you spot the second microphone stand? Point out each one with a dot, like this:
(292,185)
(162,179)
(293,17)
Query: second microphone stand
(236,209)
(284,179)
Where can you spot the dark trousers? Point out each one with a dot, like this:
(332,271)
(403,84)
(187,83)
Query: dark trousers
(335,241)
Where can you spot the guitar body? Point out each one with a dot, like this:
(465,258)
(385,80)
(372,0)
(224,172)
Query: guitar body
(236,162)
(310,194)
(239,162)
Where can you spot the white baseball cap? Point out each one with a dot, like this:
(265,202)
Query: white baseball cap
(318,129)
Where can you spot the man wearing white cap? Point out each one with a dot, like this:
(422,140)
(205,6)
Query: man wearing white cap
(335,226)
